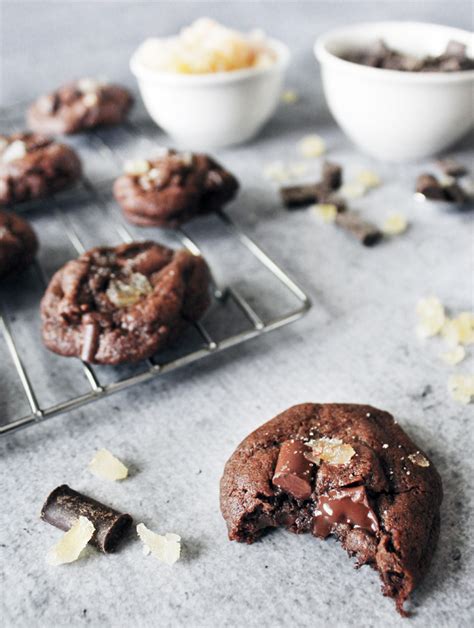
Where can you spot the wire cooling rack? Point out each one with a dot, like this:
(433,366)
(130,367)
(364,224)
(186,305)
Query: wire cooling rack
(247,285)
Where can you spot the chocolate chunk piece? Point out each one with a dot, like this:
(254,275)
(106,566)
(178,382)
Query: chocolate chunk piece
(64,506)
(115,305)
(332,175)
(18,243)
(366,232)
(381,505)
(297,196)
(430,187)
(348,506)
(293,470)
(452,168)
(454,193)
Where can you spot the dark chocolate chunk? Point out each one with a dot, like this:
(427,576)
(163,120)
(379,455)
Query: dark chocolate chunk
(454,193)
(347,506)
(366,232)
(293,471)
(296,196)
(451,167)
(430,187)
(332,175)
(64,506)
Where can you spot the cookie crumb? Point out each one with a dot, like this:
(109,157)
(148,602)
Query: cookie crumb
(70,546)
(106,466)
(395,224)
(312,146)
(166,548)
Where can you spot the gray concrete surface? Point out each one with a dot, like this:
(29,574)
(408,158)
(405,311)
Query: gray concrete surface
(357,344)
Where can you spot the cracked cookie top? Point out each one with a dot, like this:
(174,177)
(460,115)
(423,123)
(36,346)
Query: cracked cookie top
(345,470)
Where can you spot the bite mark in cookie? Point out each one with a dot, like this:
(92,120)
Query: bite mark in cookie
(123,304)
(79,106)
(33,166)
(169,190)
(348,471)
(18,243)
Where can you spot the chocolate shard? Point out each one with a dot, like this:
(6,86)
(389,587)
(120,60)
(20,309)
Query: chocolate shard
(454,193)
(366,232)
(293,471)
(332,175)
(64,506)
(295,196)
(451,167)
(348,506)
(430,187)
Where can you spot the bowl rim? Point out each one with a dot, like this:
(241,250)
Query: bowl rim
(324,56)
(281,62)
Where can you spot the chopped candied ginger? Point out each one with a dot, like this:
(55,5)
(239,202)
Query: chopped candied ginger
(454,356)
(395,224)
(312,146)
(351,191)
(459,330)
(166,548)
(326,211)
(368,178)
(461,387)
(330,450)
(419,459)
(106,466)
(136,167)
(125,293)
(69,548)
(431,317)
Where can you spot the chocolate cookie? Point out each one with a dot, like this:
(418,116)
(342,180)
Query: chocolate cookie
(18,243)
(344,470)
(171,189)
(33,166)
(79,106)
(122,304)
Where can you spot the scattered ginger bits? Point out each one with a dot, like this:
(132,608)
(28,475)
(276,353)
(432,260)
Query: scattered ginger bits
(166,548)
(106,466)
(454,356)
(431,317)
(368,179)
(330,450)
(395,224)
(326,211)
(69,547)
(312,146)
(461,387)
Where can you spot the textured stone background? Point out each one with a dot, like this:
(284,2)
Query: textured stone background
(357,344)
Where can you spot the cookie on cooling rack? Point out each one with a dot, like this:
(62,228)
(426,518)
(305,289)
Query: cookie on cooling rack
(169,190)
(79,106)
(344,470)
(33,166)
(18,243)
(122,304)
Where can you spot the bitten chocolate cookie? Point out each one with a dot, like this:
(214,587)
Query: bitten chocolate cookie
(18,243)
(171,189)
(79,106)
(122,304)
(344,470)
(33,166)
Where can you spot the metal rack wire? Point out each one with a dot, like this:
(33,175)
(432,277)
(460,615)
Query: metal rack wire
(96,388)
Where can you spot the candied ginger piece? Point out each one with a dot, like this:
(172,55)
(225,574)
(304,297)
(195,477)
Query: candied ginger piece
(326,211)
(312,146)
(351,191)
(431,316)
(106,466)
(125,293)
(368,178)
(454,356)
(330,450)
(461,387)
(395,224)
(166,548)
(419,459)
(69,547)
(459,330)
(136,167)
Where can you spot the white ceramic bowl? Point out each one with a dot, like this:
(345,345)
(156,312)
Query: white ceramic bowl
(212,110)
(392,115)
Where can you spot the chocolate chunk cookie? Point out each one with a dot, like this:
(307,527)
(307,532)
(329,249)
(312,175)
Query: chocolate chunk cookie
(33,166)
(171,189)
(122,304)
(79,106)
(18,243)
(344,470)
